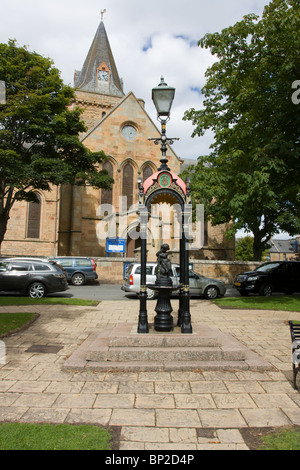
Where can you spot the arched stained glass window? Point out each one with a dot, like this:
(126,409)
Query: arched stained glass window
(107,194)
(34,218)
(127,184)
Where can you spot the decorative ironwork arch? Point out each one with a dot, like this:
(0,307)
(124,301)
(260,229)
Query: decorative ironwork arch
(165,186)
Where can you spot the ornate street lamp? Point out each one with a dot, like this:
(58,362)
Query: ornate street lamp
(160,185)
(163,96)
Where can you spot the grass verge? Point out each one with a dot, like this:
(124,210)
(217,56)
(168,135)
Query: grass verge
(286,438)
(10,322)
(24,436)
(289,303)
(282,440)
(46,301)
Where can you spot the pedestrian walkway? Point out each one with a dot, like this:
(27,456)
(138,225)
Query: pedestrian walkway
(163,410)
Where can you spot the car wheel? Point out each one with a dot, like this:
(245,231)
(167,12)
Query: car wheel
(265,290)
(211,292)
(37,290)
(78,279)
(151,294)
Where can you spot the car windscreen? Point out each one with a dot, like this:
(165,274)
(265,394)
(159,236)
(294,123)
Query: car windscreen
(265,268)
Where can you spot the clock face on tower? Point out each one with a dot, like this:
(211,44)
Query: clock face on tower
(129,132)
(103,75)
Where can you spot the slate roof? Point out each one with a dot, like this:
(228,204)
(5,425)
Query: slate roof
(100,51)
(281,246)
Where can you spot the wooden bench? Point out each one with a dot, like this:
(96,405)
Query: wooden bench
(295,335)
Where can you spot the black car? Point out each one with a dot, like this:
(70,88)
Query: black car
(275,276)
(33,277)
(79,269)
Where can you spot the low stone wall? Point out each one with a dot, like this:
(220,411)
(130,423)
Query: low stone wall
(225,271)
(111,270)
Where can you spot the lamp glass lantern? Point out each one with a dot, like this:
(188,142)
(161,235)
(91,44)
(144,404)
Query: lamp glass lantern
(163,96)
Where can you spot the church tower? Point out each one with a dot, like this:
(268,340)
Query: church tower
(98,85)
(119,125)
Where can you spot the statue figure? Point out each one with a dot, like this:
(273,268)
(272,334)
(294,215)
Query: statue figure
(163,268)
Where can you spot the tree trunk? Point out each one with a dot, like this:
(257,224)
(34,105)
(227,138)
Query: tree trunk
(257,248)
(3,226)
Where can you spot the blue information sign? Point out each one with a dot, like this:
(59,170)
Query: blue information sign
(116,245)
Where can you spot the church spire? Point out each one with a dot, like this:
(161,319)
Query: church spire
(99,72)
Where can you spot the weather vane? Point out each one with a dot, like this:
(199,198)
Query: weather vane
(102,13)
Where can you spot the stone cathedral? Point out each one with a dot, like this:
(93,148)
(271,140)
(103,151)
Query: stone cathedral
(72,220)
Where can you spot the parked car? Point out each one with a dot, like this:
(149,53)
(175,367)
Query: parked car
(31,276)
(79,269)
(275,276)
(199,285)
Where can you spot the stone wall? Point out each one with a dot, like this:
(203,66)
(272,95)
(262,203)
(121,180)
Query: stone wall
(225,271)
(110,270)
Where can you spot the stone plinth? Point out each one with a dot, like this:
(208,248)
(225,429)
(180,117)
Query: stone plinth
(123,349)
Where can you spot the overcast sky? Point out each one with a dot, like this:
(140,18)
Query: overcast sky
(148,39)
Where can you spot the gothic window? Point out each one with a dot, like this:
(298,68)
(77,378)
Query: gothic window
(107,194)
(127,184)
(205,233)
(147,172)
(34,218)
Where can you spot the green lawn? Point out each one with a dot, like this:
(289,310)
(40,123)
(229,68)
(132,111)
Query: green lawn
(9,322)
(23,436)
(281,440)
(12,321)
(46,301)
(287,303)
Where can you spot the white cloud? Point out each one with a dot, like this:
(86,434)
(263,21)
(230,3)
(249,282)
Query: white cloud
(148,39)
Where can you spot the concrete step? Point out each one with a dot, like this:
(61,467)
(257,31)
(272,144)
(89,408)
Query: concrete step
(120,348)
(164,341)
(169,354)
(154,366)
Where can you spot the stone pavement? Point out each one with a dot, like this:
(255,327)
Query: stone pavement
(164,410)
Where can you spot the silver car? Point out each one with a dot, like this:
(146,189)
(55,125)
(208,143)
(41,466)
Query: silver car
(199,285)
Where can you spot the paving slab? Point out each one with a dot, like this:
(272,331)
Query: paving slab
(174,406)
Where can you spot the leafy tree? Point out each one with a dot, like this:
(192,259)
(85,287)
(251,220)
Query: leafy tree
(39,143)
(252,174)
(244,249)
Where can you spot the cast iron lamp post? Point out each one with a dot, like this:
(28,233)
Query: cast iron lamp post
(165,183)
(163,96)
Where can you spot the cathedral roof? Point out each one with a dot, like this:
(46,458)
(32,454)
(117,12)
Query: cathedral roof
(99,72)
